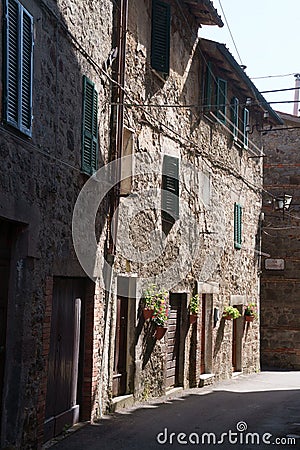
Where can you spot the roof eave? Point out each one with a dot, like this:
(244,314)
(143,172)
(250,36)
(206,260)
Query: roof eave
(259,97)
(204,12)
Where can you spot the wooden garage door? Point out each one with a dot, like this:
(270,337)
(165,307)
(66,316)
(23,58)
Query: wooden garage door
(173,341)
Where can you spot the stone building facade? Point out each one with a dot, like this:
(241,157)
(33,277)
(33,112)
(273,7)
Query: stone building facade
(54,52)
(280,329)
(193,157)
(84,84)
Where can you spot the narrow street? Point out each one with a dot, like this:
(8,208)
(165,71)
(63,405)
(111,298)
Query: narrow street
(250,411)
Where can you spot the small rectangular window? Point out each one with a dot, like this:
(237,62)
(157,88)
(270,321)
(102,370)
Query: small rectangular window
(237,226)
(89,154)
(18,66)
(245,127)
(221,99)
(160,45)
(170,189)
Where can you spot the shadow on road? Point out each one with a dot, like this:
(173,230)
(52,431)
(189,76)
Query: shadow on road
(250,412)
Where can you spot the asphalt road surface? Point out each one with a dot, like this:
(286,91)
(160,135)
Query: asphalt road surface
(259,411)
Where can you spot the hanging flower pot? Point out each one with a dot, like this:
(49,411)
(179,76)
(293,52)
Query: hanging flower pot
(230,312)
(250,312)
(193,318)
(148,313)
(249,318)
(160,332)
(228,317)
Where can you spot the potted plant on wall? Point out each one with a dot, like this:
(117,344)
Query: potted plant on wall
(250,312)
(161,314)
(149,301)
(194,308)
(230,313)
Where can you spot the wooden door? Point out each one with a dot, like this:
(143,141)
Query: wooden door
(203,333)
(62,406)
(206,333)
(5,253)
(173,341)
(237,337)
(120,357)
(234,346)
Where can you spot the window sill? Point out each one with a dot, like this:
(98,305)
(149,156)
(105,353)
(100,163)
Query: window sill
(162,76)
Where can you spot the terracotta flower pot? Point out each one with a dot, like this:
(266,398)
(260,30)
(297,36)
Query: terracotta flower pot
(228,317)
(160,332)
(193,318)
(249,318)
(148,313)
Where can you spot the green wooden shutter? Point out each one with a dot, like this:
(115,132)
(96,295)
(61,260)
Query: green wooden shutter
(18,67)
(160,45)
(170,189)
(208,87)
(245,124)
(89,127)
(237,226)
(26,84)
(221,99)
(235,117)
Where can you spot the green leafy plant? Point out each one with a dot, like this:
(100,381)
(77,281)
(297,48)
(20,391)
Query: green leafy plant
(150,297)
(251,310)
(194,304)
(161,308)
(231,311)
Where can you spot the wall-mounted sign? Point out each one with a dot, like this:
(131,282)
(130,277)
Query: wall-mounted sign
(274,264)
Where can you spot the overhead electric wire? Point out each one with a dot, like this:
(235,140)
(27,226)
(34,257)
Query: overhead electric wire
(97,66)
(283,101)
(280,90)
(196,105)
(273,76)
(231,35)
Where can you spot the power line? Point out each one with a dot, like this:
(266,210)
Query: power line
(280,129)
(280,90)
(195,105)
(284,101)
(273,76)
(231,35)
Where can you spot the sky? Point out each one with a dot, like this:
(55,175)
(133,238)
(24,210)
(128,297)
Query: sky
(266,34)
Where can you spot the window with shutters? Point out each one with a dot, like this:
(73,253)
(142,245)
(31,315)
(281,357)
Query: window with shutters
(208,86)
(245,127)
(18,66)
(221,99)
(160,45)
(235,117)
(89,162)
(170,189)
(237,226)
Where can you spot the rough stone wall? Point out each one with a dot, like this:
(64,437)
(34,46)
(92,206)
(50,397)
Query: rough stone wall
(280,331)
(203,147)
(39,183)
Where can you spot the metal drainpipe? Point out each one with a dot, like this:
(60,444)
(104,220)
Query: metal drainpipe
(123,5)
(116,154)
